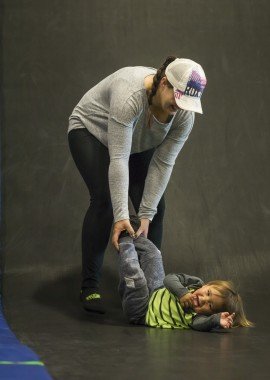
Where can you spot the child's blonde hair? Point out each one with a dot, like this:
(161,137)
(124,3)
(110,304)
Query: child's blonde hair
(232,302)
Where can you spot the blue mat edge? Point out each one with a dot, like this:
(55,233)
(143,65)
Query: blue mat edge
(17,361)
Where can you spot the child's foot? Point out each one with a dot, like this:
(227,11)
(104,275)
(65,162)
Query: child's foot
(125,237)
(124,234)
(135,222)
(91,300)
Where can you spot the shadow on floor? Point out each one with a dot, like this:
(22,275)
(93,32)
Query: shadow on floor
(62,295)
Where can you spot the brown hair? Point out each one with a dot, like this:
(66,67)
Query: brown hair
(232,302)
(157,78)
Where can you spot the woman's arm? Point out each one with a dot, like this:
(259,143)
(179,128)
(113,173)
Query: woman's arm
(123,114)
(162,163)
(124,111)
(119,144)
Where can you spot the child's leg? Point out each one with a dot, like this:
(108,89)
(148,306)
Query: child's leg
(133,286)
(151,263)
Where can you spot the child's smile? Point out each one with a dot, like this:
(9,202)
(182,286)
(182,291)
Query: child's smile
(207,300)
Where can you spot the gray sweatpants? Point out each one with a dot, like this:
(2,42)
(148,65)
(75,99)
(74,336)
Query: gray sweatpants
(141,272)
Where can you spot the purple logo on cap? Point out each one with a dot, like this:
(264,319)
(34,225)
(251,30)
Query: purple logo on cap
(195,85)
(178,94)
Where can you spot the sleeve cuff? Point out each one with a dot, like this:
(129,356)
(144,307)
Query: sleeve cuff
(142,215)
(182,292)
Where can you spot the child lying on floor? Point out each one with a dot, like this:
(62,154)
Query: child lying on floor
(177,301)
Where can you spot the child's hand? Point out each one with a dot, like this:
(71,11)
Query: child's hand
(186,301)
(226,320)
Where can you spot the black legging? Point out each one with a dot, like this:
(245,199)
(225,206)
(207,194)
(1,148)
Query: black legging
(92,160)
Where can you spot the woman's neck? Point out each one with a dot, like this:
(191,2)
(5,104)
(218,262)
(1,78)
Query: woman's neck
(155,108)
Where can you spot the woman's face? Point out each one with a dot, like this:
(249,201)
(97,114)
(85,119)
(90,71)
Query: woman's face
(167,100)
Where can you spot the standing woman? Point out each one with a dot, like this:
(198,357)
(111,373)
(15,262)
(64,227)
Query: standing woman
(124,135)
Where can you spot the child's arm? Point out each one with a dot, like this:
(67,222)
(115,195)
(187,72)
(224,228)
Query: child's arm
(209,322)
(177,283)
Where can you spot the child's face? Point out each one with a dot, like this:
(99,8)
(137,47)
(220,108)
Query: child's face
(207,300)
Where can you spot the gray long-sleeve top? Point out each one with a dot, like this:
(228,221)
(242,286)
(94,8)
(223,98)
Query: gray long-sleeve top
(115,111)
(179,285)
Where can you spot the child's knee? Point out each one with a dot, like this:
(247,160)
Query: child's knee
(135,280)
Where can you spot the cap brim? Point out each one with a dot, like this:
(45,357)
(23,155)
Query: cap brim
(189,103)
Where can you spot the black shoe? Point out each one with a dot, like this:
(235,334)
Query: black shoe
(92,301)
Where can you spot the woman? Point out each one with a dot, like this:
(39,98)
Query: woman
(124,136)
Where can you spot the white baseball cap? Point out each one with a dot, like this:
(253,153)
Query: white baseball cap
(188,80)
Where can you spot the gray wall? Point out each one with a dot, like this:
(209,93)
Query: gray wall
(217,218)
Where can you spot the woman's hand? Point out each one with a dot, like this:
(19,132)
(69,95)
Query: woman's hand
(226,320)
(121,225)
(143,229)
